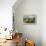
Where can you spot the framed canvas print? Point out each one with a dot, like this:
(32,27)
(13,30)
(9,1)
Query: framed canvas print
(29,19)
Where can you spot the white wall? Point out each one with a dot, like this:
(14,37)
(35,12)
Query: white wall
(37,31)
(6,13)
(29,7)
(43,22)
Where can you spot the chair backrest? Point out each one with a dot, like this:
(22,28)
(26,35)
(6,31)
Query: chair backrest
(29,43)
(18,39)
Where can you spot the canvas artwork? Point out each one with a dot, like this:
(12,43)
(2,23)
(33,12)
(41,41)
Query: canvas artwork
(29,19)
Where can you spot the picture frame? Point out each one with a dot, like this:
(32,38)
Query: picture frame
(29,19)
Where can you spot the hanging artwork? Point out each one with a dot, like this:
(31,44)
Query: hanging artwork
(29,19)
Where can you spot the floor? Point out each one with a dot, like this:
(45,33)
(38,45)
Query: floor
(16,41)
(9,43)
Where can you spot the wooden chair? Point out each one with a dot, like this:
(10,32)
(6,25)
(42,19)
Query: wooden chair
(18,39)
(29,43)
